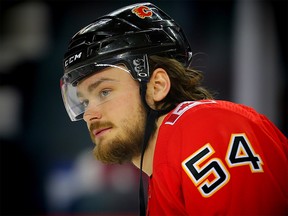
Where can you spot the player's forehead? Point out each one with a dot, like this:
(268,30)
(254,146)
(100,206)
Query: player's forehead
(118,74)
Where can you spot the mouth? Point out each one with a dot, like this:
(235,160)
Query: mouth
(101,132)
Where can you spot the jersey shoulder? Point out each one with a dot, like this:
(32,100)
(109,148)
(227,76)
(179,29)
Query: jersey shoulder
(209,110)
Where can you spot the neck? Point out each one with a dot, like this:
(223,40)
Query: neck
(149,152)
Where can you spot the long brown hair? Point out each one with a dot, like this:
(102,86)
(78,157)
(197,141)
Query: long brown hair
(185,82)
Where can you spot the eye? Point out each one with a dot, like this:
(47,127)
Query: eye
(105,92)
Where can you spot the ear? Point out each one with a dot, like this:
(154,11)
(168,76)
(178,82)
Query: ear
(159,85)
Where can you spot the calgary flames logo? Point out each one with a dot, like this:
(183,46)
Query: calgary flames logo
(142,11)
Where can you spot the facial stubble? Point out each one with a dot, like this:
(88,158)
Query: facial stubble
(124,146)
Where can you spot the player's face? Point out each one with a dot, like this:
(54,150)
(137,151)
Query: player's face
(114,114)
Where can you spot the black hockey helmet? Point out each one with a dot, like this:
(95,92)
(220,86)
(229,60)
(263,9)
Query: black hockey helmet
(126,36)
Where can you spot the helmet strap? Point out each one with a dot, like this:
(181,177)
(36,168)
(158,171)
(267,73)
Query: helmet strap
(150,126)
(152,116)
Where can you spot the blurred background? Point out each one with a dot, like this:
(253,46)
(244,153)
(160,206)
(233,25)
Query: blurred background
(46,163)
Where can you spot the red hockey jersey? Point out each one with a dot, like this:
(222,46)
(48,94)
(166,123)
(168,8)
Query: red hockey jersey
(218,158)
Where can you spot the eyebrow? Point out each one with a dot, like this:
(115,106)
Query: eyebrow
(94,85)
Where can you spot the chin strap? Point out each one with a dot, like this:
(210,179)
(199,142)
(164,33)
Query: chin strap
(152,116)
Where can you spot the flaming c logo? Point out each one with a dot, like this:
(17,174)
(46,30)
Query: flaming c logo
(142,11)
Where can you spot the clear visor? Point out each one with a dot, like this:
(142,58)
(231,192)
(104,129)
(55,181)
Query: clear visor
(74,102)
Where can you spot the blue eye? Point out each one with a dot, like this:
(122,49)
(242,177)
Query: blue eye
(105,93)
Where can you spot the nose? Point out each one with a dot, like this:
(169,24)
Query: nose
(92,113)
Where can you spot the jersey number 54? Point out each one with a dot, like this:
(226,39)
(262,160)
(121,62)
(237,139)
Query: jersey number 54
(239,153)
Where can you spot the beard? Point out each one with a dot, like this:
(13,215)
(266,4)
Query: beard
(123,146)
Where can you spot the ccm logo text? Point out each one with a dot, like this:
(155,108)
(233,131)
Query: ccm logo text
(72,59)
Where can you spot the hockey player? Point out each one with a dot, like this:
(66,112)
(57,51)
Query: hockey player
(128,75)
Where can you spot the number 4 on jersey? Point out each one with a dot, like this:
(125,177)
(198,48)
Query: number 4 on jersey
(240,152)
